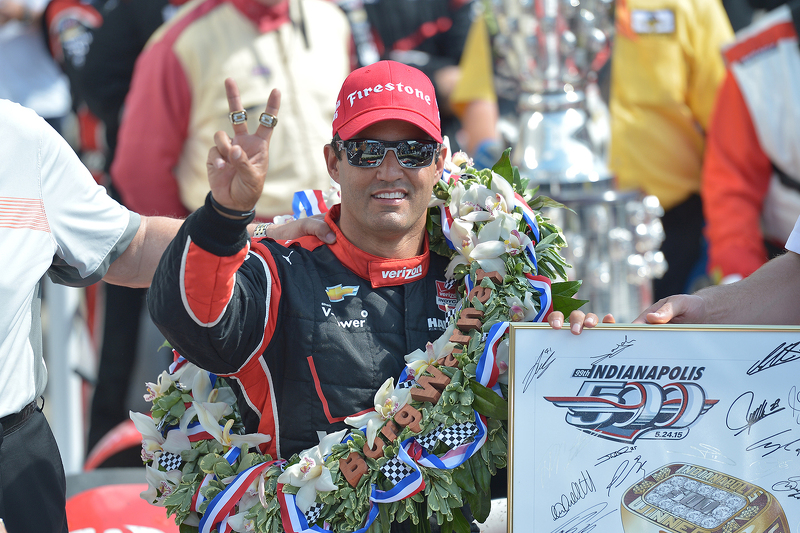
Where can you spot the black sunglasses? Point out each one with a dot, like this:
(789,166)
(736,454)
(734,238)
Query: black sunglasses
(368,153)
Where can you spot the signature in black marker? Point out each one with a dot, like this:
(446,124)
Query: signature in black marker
(794,403)
(750,416)
(784,353)
(543,362)
(585,520)
(580,489)
(768,444)
(617,453)
(791,485)
(625,469)
(617,350)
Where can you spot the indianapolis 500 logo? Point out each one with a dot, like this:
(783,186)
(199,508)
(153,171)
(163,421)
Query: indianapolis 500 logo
(627,410)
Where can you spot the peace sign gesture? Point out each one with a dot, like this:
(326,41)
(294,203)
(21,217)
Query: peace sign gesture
(237,167)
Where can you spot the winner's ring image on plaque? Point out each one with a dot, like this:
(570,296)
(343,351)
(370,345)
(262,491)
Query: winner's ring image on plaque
(683,498)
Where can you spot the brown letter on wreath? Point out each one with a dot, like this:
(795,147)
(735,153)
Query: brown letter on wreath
(458,337)
(409,417)
(494,276)
(483,294)
(432,386)
(449,361)
(377,451)
(390,430)
(352,468)
(469,319)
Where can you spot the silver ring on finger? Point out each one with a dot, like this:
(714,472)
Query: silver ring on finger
(238,117)
(267,120)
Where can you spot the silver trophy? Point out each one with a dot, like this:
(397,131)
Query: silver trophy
(548,55)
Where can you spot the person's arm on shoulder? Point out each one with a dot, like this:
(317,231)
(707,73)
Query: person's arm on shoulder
(136,265)
(769,296)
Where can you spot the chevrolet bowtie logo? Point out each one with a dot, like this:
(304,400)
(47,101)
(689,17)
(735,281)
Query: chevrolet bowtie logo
(337,292)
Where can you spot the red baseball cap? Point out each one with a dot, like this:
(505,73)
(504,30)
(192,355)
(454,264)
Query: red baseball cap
(386,90)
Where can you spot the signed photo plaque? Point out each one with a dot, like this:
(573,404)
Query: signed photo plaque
(665,429)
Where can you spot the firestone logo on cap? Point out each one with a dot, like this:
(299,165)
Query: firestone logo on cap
(383,91)
(365,92)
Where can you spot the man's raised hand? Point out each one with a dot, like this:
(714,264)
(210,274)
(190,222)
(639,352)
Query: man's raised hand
(237,167)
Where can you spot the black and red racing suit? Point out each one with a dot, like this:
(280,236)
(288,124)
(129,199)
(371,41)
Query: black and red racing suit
(307,331)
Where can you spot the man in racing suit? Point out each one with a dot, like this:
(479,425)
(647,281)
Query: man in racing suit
(751,172)
(309,331)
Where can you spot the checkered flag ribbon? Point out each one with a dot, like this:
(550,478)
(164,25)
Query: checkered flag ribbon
(170,461)
(395,470)
(407,384)
(452,312)
(312,515)
(458,433)
(429,440)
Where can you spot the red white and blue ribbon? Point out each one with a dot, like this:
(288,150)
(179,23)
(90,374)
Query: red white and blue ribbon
(487,371)
(541,285)
(309,201)
(453,458)
(528,215)
(178,362)
(294,521)
(469,285)
(447,223)
(406,487)
(196,432)
(223,503)
(197,499)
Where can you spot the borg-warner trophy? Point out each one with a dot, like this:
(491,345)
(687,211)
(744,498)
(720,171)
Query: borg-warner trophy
(548,55)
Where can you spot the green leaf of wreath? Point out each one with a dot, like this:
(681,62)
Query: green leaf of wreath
(487,402)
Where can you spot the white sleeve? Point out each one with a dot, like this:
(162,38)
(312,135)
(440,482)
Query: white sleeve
(793,243)
(90,229)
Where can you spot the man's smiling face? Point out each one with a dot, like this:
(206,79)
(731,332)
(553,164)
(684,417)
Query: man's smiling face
(388,202)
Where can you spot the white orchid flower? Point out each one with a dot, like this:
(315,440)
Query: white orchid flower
(504,191)
(158,389)
(333,195)
(516,243)
(388,401)
(186,373)
(204,392)
(310,474)
(418,360)
(470,204)
(209,414)
(160,484)
(461,158)
(520,311)
(154,442)
(452,162)
(483,247)
(501,360)
(240,524)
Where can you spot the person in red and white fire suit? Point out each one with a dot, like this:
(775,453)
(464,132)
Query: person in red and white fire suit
(751,172)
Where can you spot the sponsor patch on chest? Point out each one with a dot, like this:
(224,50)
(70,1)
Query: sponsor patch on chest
(659,21)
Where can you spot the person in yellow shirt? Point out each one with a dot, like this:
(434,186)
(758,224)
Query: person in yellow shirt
(665,71)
